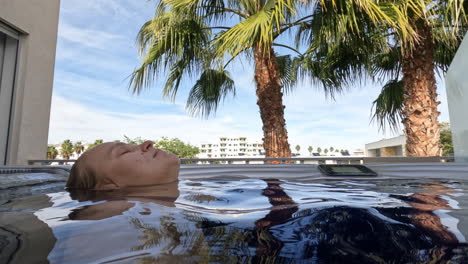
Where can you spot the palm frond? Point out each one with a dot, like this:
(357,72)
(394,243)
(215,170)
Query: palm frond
(387,108)
(288,72)
(257,29)
(211,10)
(386,64)
(445,52)
(335,67)
(340,19)
(209,91)
(447,19)
(172,42)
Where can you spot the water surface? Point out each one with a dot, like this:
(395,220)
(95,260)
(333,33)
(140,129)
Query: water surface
(244,221)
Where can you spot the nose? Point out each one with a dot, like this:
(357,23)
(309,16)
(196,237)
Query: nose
(147,145)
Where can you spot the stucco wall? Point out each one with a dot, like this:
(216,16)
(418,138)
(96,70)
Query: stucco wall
(457,97)
(397,143)
(37,21)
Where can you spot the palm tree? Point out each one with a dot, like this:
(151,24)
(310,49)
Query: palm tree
(51,152)
(325,151)
(332,149)
(96,142)
(298,148)
(310,149)
(78,148)
(195,39)
(319,150)
(67,149)
(385,52)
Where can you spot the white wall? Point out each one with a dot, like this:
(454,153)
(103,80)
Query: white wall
(37,23)
(457,97)
(388,142)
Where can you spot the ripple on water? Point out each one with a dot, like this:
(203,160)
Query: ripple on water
(253,220)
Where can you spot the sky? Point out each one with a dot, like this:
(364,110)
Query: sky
(97,52)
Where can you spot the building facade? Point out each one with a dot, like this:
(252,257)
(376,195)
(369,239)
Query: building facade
(388,147)
(28,39)
(457,97)
(231,148)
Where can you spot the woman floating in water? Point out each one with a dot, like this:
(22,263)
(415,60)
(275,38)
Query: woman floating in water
(112,165)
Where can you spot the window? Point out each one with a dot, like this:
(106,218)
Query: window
(8,56)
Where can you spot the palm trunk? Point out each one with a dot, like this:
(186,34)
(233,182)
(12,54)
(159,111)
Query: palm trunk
(420,104)
(270,102)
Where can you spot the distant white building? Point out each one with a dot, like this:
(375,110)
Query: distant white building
(358,152)
(387,147)
(226,147)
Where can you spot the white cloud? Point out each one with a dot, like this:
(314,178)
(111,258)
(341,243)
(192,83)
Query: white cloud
(71,120)
(122,8)
(90,38)
(79,85)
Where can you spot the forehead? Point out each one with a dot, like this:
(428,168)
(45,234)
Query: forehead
(104,150)
(105,147)
(99,157)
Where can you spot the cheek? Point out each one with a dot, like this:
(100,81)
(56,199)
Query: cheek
(130,164)
(168,161)
(172,158)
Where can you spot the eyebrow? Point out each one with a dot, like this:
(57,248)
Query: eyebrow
(112,150)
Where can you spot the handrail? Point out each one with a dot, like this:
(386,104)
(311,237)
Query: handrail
(320,160)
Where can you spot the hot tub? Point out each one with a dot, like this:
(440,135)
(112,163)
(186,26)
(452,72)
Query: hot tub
(409,213)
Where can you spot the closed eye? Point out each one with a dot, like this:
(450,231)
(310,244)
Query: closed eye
(125,152)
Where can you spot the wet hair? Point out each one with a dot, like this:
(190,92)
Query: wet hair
(81,175)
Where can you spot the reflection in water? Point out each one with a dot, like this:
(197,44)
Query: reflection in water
(23,237)
(423,213)
(283,225)
(116,202)
(283,208)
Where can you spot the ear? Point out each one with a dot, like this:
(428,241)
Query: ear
(107,185)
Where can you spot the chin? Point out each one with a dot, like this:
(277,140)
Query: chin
(173,158)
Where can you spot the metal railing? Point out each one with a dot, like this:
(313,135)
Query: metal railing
(308,160)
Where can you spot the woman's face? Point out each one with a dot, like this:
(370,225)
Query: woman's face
(120,165)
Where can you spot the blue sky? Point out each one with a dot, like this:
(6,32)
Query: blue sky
(96,53)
